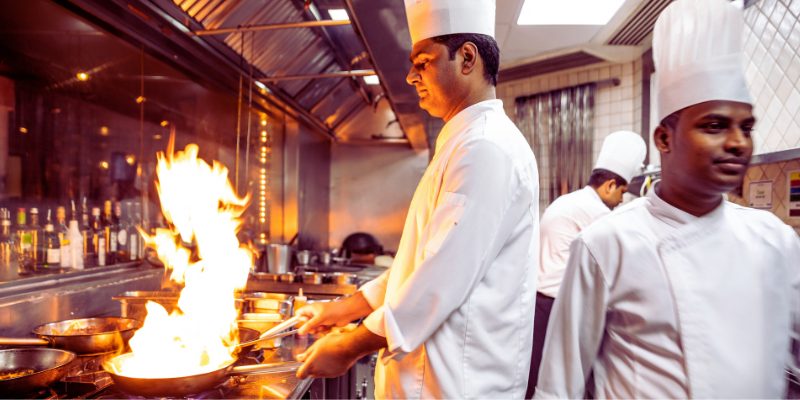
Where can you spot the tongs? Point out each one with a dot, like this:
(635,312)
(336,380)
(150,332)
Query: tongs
(275,332)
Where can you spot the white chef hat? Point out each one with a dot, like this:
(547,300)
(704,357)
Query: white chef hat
(622,153)
(697,50)
(431,18)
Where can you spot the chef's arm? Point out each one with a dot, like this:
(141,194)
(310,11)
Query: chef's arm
(792,257)
(575,329)
(478,206)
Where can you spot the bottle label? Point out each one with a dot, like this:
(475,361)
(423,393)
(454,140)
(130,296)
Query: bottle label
(54,256)
(112,242)
(66,257)
(122,238)
(134,247)
(101,251)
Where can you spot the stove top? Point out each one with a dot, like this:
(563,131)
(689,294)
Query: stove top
(86,380)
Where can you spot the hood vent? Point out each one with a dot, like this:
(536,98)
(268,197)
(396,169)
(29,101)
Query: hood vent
(638,27)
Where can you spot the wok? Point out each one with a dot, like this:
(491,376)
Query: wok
(84,336)
(49,365)
(247,339)
(180,386)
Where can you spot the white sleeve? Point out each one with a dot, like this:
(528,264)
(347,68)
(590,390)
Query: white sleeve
(479,204)
(374,292)
(575,329)
(792,255)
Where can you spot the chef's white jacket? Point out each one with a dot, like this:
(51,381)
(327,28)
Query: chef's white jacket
(561,223)
(456,307)
(658,303)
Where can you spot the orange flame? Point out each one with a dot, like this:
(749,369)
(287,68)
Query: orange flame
(203,209)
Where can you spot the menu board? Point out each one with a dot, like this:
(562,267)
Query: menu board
(794,193)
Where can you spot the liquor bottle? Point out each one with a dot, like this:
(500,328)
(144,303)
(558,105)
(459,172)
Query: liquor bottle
(7,242)
(88,243)
(123,251)
(98,238)
(36,236)
(51,245)
(25,252)
(111,228)
(76,243)
(63,238)
(137,242)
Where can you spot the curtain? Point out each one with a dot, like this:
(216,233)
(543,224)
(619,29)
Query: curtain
(559,126)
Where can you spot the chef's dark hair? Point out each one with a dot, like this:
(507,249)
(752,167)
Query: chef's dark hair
(487,49)
(600,176)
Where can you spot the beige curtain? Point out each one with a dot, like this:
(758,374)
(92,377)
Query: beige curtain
(559,126)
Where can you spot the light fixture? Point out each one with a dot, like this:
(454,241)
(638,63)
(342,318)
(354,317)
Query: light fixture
(140,100)
(372,80)
(130,159)
(157,136)
(82,76)
(103,130)
(568,12)
(262,87)
(338,14)
(23,130)
(103,164)
(164,123)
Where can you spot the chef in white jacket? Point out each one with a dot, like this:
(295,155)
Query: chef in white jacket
(619,160)
(682,294)
(453,316)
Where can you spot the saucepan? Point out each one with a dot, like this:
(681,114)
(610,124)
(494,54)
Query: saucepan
(84,336)
(180,386)
(23,371)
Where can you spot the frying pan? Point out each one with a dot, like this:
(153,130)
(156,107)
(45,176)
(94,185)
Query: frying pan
(49,365)
(84,336)
(180,386)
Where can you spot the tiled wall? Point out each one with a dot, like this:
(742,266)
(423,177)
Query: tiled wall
(616,107)
(772,45)
(777,173)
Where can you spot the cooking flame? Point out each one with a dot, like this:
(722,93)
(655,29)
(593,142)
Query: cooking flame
(202,209)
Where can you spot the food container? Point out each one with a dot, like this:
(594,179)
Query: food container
(312,278)
(286,278)
(262,322)
(268,303)
(341,278)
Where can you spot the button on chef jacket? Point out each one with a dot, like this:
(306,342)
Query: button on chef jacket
(456,307)
(561,223)
(659,303)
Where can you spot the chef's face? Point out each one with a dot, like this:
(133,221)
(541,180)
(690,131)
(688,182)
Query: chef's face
(614,197)
(434,75)
(709,149)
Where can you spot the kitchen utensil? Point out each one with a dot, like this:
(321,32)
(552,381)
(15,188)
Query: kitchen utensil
(181,386)
(303,257)
(278,258)
(48,365)
(84,336)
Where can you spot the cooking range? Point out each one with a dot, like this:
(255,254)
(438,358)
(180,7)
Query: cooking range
(86,379)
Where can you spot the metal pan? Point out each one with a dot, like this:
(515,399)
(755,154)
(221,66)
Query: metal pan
(49,365)
(247,339)
(191,384)
(83,336)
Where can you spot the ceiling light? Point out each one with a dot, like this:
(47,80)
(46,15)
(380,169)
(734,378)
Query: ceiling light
(262,87)
(104,131)
(372,80)
(568,12)
(338,14)
(82,76)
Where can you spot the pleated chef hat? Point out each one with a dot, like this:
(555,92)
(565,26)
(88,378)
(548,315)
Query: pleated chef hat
(697,50)
(622,153)
(431,18)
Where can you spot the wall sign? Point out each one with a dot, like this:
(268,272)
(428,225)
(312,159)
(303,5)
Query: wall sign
(761,194)
(793,183)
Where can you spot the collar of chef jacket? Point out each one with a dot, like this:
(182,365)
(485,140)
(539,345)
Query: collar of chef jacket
(464,118)
(674,216)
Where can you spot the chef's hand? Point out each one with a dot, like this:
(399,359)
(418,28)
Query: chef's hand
(329,357)
(320,317)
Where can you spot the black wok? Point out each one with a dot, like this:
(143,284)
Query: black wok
(180,386)
(84,336)
(49,365)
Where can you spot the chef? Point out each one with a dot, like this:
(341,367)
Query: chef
(453,316)
(619,160)
(682,294)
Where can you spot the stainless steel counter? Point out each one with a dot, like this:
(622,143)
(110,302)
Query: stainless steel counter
(37,299)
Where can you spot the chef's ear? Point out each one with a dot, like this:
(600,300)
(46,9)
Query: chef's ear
(663,138)
(469,51)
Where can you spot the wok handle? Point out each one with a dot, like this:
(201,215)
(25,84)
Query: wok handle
(274,368)
(10,341)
